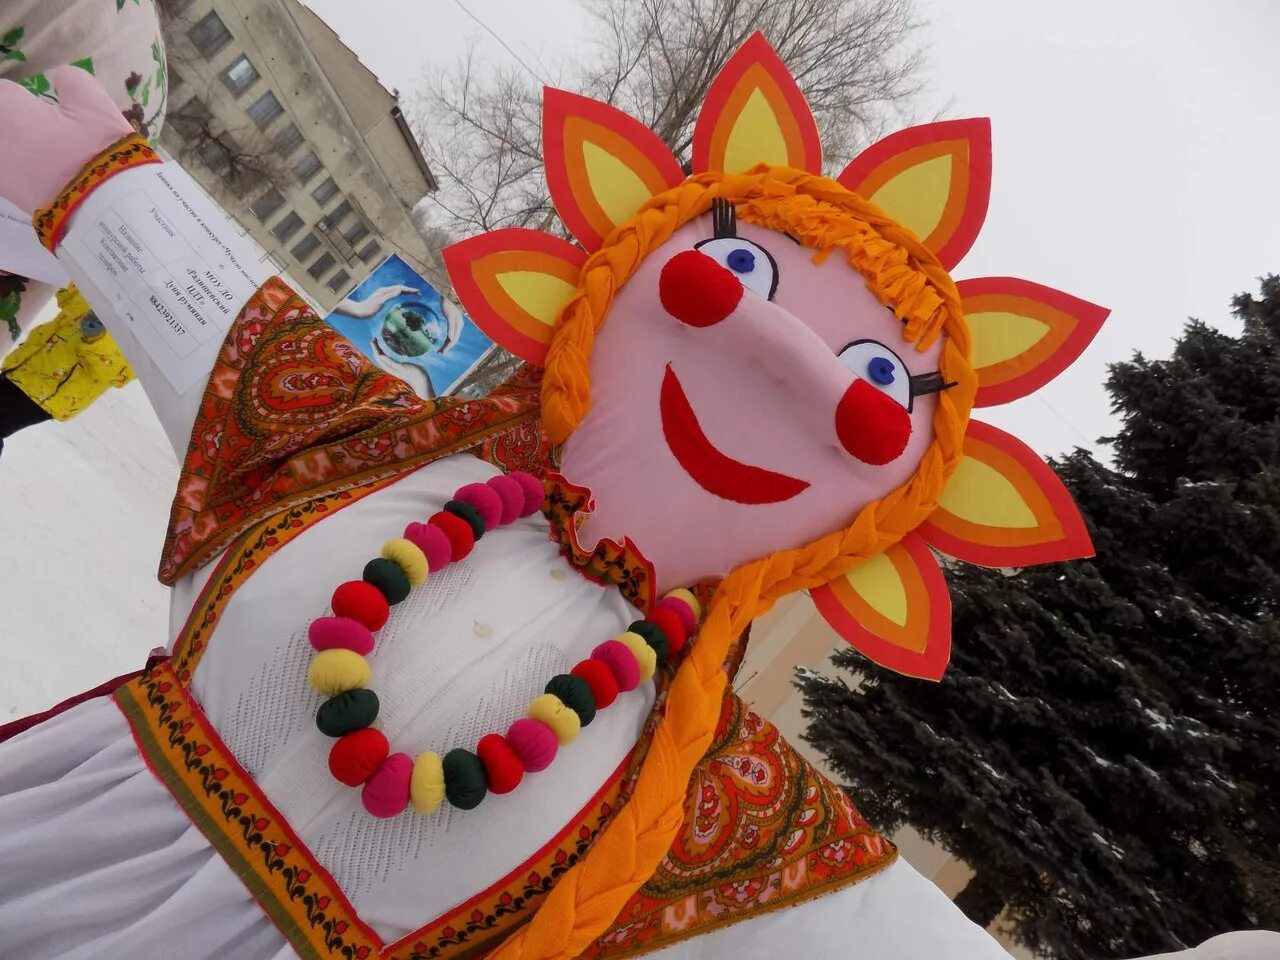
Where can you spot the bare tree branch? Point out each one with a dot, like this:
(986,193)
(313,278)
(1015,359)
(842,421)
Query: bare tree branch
(857,61)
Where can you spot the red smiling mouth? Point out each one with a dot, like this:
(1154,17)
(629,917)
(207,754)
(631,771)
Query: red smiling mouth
(710,469)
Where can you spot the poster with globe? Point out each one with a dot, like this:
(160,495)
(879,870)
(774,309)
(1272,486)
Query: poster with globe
(401,323)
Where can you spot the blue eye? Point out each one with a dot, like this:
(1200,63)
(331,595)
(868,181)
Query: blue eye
(876,364)
(748,261)
(741,261)
(880,370)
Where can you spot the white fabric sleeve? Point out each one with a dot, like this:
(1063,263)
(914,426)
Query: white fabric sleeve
(167,271)
(895,914)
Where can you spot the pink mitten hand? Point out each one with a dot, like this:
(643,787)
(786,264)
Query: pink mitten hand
(46,144)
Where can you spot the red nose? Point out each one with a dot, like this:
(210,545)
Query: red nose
(698,291)
(872,425)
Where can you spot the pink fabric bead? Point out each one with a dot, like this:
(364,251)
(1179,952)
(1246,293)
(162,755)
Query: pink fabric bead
(681,610)
(327,633)
(433,543)
(386,793)
(534,743)
(533,492)
(511,494)
(486,501)
(621,661)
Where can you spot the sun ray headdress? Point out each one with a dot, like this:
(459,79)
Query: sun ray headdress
(903,213)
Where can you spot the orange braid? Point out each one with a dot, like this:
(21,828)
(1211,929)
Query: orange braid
(904,275)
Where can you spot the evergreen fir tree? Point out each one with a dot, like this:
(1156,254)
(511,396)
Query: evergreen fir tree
(1104,750)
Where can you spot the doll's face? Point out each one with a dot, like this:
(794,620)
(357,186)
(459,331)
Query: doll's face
(772,397)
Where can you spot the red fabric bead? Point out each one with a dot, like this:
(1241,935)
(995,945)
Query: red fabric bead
(534,493)
(356,756)
(362,602)
(461,537)
(502,768)
(486,501)
(696,290)
(598,676)
(668,621)
(512,495)
(682,610)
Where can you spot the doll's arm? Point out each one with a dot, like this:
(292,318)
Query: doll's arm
(163,267)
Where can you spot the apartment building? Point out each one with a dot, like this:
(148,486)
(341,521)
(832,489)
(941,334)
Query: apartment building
(287,129)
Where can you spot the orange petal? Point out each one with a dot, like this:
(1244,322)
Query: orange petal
(1004,507)
(755,113)
(934,179)
(601,164)
(894,608)
(514,283)
(1023,334)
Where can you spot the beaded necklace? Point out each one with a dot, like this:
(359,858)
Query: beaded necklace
(362,757)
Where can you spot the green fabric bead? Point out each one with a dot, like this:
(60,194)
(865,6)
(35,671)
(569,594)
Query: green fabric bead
(468,513)
(654,637)
(464,780)
(347,712)
(387,576)
(574,694)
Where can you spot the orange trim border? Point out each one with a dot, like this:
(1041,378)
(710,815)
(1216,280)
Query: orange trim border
(125,154)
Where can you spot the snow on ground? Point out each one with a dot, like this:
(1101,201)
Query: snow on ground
(83,510)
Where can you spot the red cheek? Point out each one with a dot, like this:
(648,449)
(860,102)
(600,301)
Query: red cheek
(698,291)
(872,425)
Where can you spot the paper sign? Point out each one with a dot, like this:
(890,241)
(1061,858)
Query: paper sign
(21,253)
(170,263)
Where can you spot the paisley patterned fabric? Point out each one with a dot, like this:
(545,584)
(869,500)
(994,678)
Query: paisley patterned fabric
(762,830)
(293,411)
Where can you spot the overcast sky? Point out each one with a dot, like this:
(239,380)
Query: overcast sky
(1136,144)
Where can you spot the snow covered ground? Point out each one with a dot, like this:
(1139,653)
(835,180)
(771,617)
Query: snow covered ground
(83,509)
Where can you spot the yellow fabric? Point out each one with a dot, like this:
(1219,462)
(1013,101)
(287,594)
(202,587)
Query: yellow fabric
(917,196)
(540,294)
(564,723)
(879,583)
(906,276)
(408,557)
(644,654)
(983,495)
(426,784)
(999,335)
(336,671)
(61,370)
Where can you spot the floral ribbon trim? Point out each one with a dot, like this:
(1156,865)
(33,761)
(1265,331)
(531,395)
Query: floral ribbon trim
(126,153)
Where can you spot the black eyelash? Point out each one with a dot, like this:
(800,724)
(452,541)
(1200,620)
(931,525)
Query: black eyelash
(724,219)
(932,382)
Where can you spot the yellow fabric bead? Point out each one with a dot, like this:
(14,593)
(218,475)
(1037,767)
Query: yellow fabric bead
(644,654)
(564,723)
(337,670)
(688,597)
(406,555)
(426,785)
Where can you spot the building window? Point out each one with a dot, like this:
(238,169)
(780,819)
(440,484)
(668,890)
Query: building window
(209,35)
(307,167)
(339,281)
(321,266)
(356,232)
(306,246)
(214,154)
(325,192)
(239,76)
(287,227)
(371,250)
(267,204)
(337,215)
(287,140)
(265,109)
